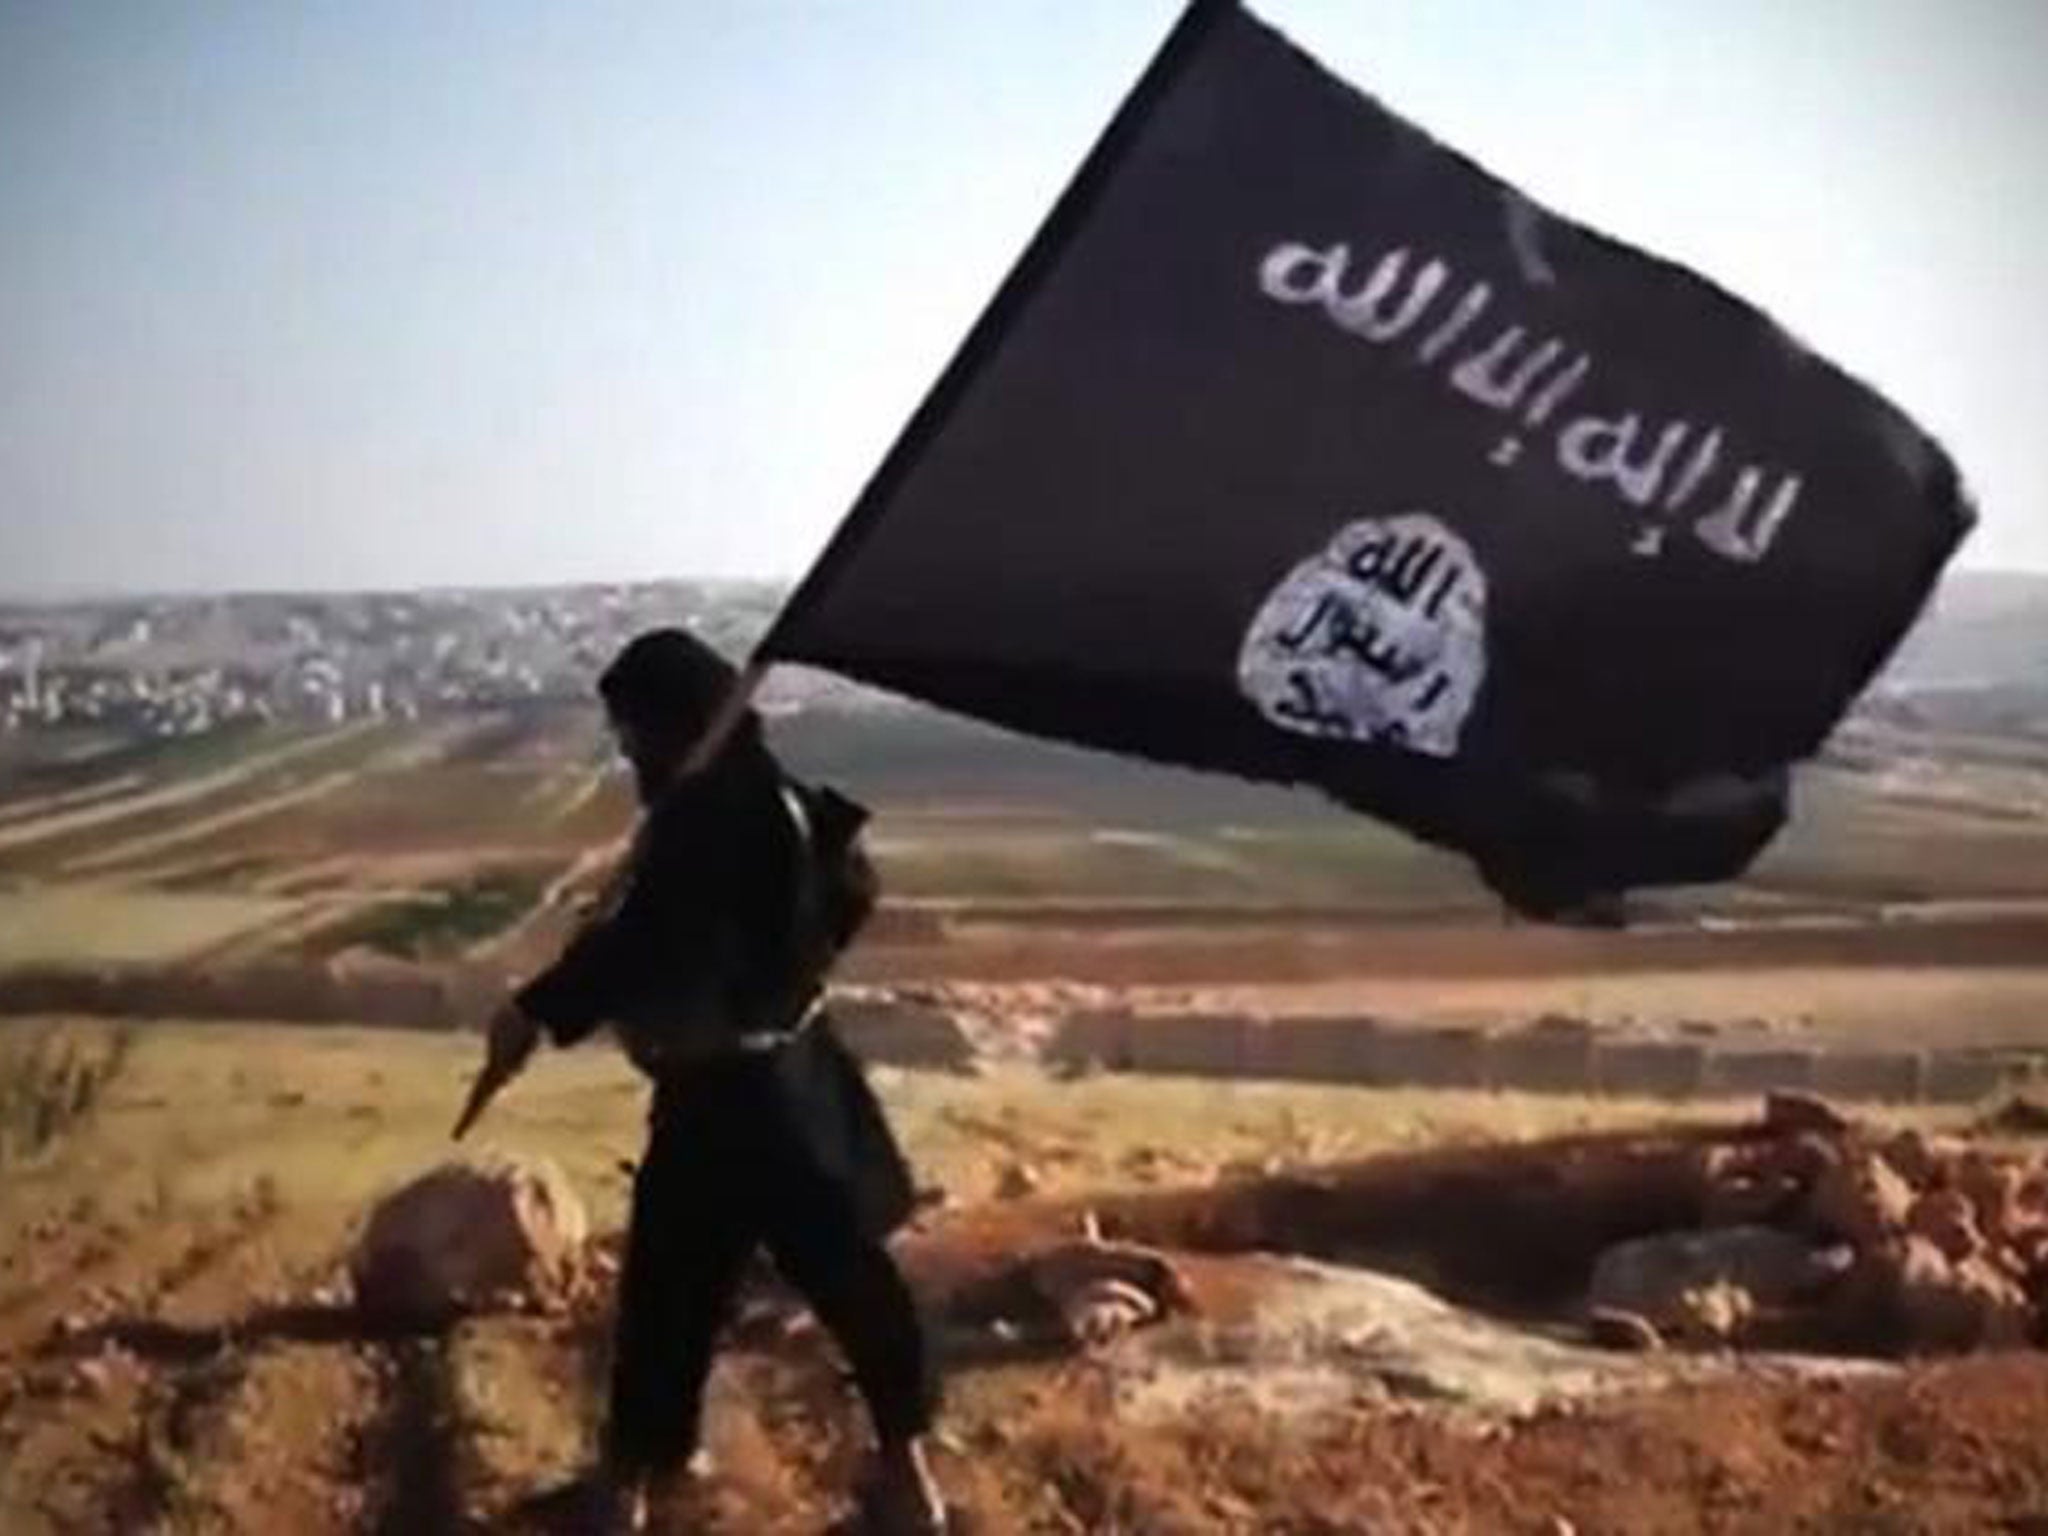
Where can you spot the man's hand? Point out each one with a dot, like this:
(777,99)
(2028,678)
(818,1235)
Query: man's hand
(509,1044)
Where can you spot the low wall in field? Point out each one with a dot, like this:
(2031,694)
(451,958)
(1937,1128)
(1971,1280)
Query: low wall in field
(398,996)
(401,997)
(1550,1056)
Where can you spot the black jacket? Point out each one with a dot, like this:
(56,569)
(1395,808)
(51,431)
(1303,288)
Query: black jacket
(701,935)
(713,935)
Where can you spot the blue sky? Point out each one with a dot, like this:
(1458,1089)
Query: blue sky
(389,293)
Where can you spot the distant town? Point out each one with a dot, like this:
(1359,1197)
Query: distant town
(183,666)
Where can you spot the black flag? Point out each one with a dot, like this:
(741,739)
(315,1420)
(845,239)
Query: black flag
(1300,447)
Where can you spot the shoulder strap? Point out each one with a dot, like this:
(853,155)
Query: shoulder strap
(807,946)
(799,813)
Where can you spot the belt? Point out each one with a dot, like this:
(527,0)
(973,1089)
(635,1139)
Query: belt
(655,1053)
(759,1042)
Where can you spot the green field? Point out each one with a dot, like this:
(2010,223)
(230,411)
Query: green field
(419,840)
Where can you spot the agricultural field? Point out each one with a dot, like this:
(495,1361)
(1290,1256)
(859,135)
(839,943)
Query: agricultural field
(181,1173)
(968,821)
(412,840)
(1909,893)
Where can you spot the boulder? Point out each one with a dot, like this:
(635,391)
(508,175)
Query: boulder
(1095,1290)
(2020,1115)
(1994,1188)
(1102,1310)
(1720,1311)
(1921,1160)
(1945,1218)
(468,1235)
(1862,1200)
(1937,1305)
(1613,1329)
(2004,1316)
(1764,1184)
(1705,1286)
(1018,1181)
(1793,1112)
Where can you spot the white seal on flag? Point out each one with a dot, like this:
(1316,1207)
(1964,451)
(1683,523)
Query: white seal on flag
(1379,637)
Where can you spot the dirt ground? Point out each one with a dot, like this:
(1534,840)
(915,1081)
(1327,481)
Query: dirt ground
(177,1352)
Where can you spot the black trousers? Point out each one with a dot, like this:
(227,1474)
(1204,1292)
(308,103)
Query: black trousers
(733,1166)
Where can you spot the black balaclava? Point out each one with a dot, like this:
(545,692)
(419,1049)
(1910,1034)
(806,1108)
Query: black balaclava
(667,684)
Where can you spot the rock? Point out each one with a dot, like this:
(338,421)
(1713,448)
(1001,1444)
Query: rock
(1105,1308)
(2029,1250)
(1861,1200)
(931,1197)
(1018,1181)
(1735,1189)
(1945,1218)
(1148,1164)
(1942,1306)
(1302,1338)
(1100,1289)
(1707,1285)
(1763,1184)
(2004,1316)
(1612,1328)
(2019,1115)
(468,1235)
(1921,1160)
(1995,1188)
(1719,1311)
(2033,1195)
(1791,1111)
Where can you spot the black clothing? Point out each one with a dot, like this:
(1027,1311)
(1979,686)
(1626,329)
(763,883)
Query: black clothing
(710,963)
(669,681)
(699,940)
(725,1174)
(707,943)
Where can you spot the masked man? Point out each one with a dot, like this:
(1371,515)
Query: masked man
(708,959)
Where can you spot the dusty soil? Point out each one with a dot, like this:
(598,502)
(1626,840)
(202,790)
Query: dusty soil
(301,1420)
(196,1368)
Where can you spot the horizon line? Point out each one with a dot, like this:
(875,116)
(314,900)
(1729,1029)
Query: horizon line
(82,595)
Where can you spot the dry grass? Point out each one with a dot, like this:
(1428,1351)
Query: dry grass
(88,924)
(51,1078)
(327,1116)
(220,1167)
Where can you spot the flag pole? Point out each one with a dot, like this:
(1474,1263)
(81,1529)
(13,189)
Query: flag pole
(1023,280)
(732,709)
(492,1077)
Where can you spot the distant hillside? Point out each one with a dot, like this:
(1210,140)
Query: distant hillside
(1977,663)
(1984,629)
